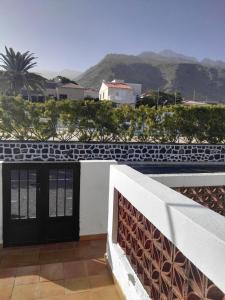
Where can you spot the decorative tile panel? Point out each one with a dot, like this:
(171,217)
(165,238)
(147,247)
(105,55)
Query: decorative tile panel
(212,197)
(163,270)
(67,151)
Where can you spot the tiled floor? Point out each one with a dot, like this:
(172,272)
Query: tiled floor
(67,271)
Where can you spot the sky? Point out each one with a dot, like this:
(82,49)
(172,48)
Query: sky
(76,34)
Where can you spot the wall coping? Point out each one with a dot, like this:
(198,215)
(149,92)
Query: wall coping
(190,179)
(107,143)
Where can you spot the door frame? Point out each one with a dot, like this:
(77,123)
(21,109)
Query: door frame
(41,211)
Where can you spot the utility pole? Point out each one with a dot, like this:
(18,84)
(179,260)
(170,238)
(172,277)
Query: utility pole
(194,95)
(157,101)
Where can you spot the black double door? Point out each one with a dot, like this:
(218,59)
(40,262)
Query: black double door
(40,203)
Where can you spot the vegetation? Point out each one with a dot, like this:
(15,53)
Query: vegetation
(159,98)
(16,73)
(102,121)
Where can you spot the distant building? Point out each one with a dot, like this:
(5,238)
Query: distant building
(57,90)
(120,92)
(208,102)
(70,91)
(91,93)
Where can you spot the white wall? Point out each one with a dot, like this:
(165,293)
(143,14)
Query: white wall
(137,87)
(94,190)
(72,93)
(121,96)
(198,232)
(186,180)
(103,90)
(1,206)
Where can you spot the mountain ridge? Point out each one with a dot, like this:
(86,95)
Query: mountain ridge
(49,74)
(167,70)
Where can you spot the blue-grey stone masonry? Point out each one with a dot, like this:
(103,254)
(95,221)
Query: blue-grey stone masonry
(60,151)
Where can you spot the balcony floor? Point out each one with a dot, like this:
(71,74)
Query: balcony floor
(63,271)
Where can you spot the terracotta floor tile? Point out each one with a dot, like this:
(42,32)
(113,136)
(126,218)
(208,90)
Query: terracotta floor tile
(67,245)
(49,247)
(51,272)
(20,250)
(28,274)
(83,244)
(80,296)
(101,244)
(7,277)
(96,267)
(51,289)
(56,248)
(48,257)
(61,297)
(76,285)
(74,269)
(73,254)
(9,262)
(102,280)
(88,253)
(107,293)
(26,259)
(5,293)
(25,292)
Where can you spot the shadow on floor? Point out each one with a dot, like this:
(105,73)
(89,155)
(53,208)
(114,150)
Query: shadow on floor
(75,270)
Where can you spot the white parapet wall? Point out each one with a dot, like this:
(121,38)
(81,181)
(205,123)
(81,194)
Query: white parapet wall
(94,190)
(190,180)
(198,232)
(1,206)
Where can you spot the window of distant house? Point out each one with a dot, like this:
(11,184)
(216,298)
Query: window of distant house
(33,98)
(62,96)
(41,98)
(117,94)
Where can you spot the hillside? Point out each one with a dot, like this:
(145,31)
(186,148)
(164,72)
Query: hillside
(71,74)
(166,70)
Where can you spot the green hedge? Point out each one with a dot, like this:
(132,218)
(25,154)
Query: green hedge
(102,121)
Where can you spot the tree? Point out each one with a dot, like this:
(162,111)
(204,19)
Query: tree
(157,98)
(14,119)
(17,67)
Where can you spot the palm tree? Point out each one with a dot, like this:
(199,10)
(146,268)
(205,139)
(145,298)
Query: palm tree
(17,67)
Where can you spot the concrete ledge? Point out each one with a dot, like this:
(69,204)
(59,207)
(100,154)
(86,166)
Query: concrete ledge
(186,180)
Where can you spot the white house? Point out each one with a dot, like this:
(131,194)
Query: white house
(120,92)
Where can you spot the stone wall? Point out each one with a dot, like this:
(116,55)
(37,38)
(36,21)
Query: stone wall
(59,151)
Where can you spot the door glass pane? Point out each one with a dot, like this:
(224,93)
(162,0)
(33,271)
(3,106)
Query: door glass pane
(14,194)
(52,192)
(69,193)
(23,193)
(61,193)
(32,194)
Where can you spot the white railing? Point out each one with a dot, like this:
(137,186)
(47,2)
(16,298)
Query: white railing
(198,232)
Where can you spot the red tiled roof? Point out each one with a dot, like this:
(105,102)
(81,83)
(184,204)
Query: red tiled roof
(118,85)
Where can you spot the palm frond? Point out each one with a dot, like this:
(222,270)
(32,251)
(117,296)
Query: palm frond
(17,66)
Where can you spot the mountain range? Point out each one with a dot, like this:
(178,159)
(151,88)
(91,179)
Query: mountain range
(167,70)
(71,74)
